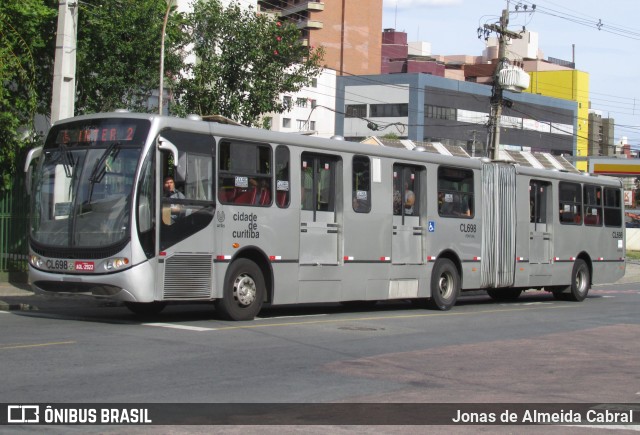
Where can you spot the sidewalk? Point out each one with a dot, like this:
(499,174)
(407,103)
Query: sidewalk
(18,296)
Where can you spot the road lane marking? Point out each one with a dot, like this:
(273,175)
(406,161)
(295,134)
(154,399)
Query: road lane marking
(173,326)
(403,316)
(25,346)
(291,317)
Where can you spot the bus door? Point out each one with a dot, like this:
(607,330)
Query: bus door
(318,225)
(539,228)
(187,202)
(406,246)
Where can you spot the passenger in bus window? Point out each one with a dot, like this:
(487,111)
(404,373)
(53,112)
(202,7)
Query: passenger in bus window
(307,187)
(465,206)
(397,203)
(409,200)
(175,210)
(170,189)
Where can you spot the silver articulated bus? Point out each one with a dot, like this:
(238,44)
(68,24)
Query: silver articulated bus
(276,218)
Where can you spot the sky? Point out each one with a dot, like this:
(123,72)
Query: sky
(606,35)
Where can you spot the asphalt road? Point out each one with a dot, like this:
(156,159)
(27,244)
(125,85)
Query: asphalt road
(533,350)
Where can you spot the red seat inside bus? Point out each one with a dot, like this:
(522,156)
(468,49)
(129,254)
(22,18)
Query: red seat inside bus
(227,194)
(592,219)
(245,196)
(281,198)
(265,196)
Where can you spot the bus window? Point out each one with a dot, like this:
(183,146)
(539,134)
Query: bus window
(186,204)
(146,206)
(612,208)
(282,177)
(593,205)
(455,192)
(318,187)
(405,190)
(245,174)
(361,184)
(538,191)
(570,207)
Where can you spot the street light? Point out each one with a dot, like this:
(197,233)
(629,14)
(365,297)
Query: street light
(164,29)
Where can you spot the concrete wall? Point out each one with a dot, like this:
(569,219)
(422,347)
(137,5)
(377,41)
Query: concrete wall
(633,239)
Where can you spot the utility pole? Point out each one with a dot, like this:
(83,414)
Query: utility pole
(164,31)
(64,68)
(496,95)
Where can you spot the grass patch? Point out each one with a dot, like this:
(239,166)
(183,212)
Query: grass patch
(633,255)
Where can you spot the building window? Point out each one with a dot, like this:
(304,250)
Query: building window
(301,102)
(302,124)
(312,125)
(438,112)
(356,111)
(314,83)
(389,110)
(286,122)
(286,101)
(314,103)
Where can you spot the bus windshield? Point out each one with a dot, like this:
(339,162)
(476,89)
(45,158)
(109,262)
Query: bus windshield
(83,188)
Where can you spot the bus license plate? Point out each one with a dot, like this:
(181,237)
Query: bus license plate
(84,265)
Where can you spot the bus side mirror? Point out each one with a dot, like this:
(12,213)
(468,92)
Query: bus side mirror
(166,145)
(31,156)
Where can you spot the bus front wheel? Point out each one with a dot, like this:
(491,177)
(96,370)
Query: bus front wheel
(244,291)
(445,285)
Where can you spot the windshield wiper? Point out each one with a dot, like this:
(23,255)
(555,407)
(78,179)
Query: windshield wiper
(100,168)
(67,160)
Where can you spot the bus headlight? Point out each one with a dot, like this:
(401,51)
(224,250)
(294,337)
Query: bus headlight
(36,261)
(116,263)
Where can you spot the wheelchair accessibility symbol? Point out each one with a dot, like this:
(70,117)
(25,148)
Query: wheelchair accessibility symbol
(432,227)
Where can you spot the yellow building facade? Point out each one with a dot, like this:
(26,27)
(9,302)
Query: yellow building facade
(568,85)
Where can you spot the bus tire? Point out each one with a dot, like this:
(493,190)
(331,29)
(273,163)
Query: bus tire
(145,308)
(504,294)
(580,283)
(244,291)
(445,285)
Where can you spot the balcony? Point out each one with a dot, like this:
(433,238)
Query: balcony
(311,6)
(281,9)
(309,24)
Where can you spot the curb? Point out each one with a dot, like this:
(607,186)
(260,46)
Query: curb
(5,306)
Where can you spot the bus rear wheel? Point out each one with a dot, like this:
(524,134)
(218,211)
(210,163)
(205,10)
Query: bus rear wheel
(244,291)
(445,285)
(145,308)
(580,284)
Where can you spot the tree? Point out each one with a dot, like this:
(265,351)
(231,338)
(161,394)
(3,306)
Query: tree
(118,60)
(244,62)
(23,36)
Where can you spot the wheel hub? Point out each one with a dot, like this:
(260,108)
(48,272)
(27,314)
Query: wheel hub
(445,285)
(244,290)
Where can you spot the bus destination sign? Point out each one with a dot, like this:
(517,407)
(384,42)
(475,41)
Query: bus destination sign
(120,133)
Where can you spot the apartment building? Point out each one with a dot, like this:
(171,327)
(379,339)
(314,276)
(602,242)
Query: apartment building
(350,31)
